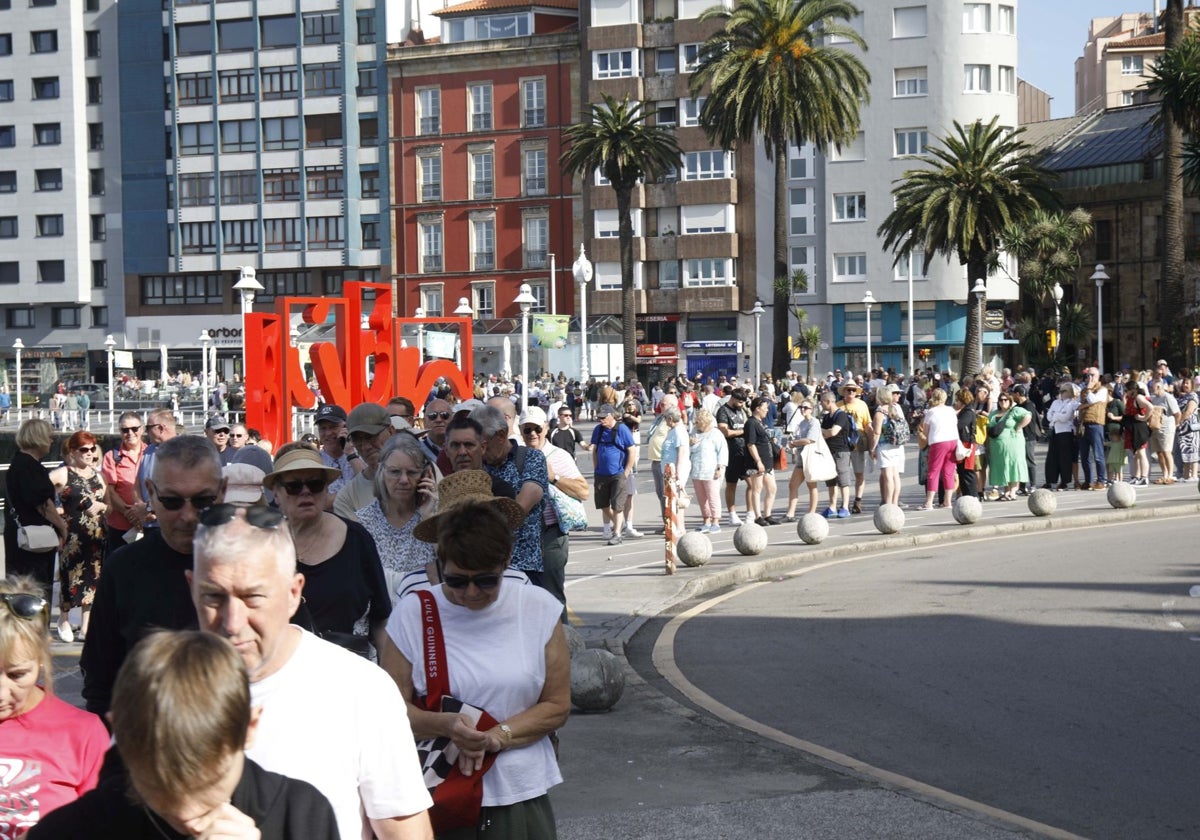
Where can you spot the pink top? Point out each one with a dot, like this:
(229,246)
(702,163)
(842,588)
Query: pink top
(121,475)
(49,756)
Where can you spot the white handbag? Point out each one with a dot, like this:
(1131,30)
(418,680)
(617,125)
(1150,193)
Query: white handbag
(37,539)
(817,461)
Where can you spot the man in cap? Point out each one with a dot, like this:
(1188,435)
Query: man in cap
(336,450)
(216,429)
(614,451)
(854,405)
(369,427)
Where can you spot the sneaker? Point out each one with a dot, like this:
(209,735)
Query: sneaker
(789,519)
(632,532)
(607,531)
(616,540)
(715,528)
(843,513)
(65,633)
(774,520)
(857,506)
(734,519)
(761,520)
(705,528)
(829,513)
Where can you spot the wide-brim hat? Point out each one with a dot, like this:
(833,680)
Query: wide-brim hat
(299,460)
(467,486)
(850,386)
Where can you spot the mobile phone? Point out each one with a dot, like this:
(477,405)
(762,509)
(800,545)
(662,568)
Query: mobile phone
(342,441)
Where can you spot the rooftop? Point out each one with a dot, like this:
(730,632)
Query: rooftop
(496,5)
(1103,138)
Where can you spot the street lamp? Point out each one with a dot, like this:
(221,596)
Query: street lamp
(583,276)
(1058,296)
(525,300)
(980,291)
(419,312)
(757,312)
(18,346)
(205,343)
(868,301)
(248,285)
(109,344)
(1099,275)
(464,310)
(1142,302)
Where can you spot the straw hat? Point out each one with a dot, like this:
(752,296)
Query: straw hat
(298,460)
(850,386)
(467,486)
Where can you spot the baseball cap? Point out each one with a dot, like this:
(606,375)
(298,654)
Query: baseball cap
(243,484)
(1020,390)
(370,418)
(606,410)
(468,405)
(217,421)
(534,415)
(330,413)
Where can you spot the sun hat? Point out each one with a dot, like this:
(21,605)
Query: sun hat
(368,417)
(850,386)
(464,486)
(468,405)
(243,484)
(534,414)
(298,460)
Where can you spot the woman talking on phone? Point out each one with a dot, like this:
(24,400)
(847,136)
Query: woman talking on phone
(405,493)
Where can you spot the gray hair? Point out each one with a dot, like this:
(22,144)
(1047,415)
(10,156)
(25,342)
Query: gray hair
(405,444)
(491,419)
(672,415)
(189,452)
(237,541)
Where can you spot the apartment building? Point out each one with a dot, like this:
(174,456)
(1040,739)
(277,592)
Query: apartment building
(60,187)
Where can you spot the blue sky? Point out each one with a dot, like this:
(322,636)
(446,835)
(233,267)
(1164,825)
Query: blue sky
(1052,34)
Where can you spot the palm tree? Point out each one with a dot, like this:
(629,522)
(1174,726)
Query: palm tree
(980,181)
(614,138)
(769,75)
(1047,244)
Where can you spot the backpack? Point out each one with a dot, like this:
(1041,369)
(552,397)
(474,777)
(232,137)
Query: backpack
(896,430)
(852,436)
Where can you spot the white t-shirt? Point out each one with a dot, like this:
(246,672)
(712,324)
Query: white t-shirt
(496,657)
(334,720)
(941,424)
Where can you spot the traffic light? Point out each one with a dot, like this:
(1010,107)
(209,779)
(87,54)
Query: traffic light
(1154,344)
(1196,336)
(1051,341)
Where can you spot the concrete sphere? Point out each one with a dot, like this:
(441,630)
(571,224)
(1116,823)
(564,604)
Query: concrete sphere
(1042,502)
(1122,494)
(694,549)
(967,510)
(597,680)
(813,528)
(575,642)
(889,519)
(750,538)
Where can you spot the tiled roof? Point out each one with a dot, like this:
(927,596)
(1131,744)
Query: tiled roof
(1159,39)
(493,5)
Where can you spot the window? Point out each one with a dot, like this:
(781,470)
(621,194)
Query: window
(911,81)
(281,133)
(1104,239)
(1131,65)
(1006,20)
(237,85)
(911,141)
(849,268)
(278,31)
(6,90)
(196,190)
(540,294)
(368,129)
(281,185)
(8,181)
(977,17)
(533,97)
(91,43)
(535,172)
(240,235)
(668,274)
(613,64)
(798,258)
(689,57)
(429,110)
(280,83)
(483,244)
(198,237)
(501,26)
(99,226)
(368,81)
(45,41)
(703,166)
(5,43)
(326,181)
(1006,79)
(431,300)
(239,187)
(45,87)
(322,130)
(797,167)
(605,223)
(18,319)
(482,175)
(47,134)
(913,263)
(664,62)
(196,138)
(368,180)
(691,111)
(48,180)
(323,79)
(99,274)
(95,90)
(278,283)
(95,137)
(666,113)
(8,227)
(431,247)
(182,289)
(239,135)
(326,233)
(798,211)
(850,207)
(479,98)
(42,4)
(706,218)
(365,21)
(64,316)
(909,22)
(429,175)
(193,38)
(52,271)
(369,227)
(537,242)
(708,272)
(977,78)
(8,136)
(194,88)
(95,182)
(856,149)
(282,235)
(236,35)
(483,300)
(322,28)
(99,316)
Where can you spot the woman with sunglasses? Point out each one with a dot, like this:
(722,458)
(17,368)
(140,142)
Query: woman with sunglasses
(346,598)
(82,492)
(30,501)
(52,751)
(1006,446)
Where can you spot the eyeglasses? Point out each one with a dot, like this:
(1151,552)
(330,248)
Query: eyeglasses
(231,434)
(531,430)
(294,488)
(130,430)
(260,516)
(806,408)
(200,502)
(486,581)
(25,606)
(1003,399)
(154,426)
(438,415)
(86,449)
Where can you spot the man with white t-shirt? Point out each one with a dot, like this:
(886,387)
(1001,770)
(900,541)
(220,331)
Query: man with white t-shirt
(329,717)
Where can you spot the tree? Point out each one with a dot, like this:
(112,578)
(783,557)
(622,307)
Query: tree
(980,181)
(615,139)
(1047,244)
(807,337)
(769,75)
(1077,328)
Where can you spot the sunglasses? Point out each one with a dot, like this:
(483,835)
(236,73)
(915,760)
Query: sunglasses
(25,606)
(236,436)
(295,488)
(260,516)
(130,430)
(565,414)
(438,415)
(486,581)
(86,449)
(201,502)
(806,408)
(531,430)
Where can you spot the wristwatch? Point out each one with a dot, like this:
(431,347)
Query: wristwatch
(507,732)
(554,480)
(352,456)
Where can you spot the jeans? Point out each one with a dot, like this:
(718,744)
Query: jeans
(1091,447)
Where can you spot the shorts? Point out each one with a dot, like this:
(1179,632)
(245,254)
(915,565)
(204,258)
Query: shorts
(858,460)
(611,491)
(845,472)
(736,471)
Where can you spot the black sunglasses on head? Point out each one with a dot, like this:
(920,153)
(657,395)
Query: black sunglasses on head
(294,488)
(25,606)
(200,502)
(260,516)
(489,580)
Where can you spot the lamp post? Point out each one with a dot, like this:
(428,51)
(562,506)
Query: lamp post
(1142,302)
(757,312)
(553,288)
(110,344)
(1099,275)
(912,357)
(525,300)
(18,346)
(248,285)
(1058,296)
(583,276)
(868,301)
(419,312)
(205,343)
(464,310)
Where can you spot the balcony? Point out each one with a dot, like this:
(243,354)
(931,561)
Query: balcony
(431,264)
(708,246)
(714,191)
(484,260)
(608,249)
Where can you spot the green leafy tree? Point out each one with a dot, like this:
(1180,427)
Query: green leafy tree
(615,139)
(980,181)
(1047,244)
(786,288)
(770,75)
(1076,329)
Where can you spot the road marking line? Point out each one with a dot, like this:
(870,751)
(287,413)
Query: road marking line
(664,662)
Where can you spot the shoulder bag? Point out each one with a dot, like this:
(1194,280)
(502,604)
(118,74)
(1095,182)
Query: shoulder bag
(457,799)
(1155,418)
(570,511)
(817,461)
(36,539)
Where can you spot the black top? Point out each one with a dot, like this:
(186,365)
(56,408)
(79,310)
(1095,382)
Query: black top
(566,439)
(758,437)
(347,587)
(838,417)
(966,425)
(282,808)
(734,420)
(28,486)
(142,588)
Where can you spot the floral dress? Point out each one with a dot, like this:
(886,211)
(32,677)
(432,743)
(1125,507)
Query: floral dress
(83,553)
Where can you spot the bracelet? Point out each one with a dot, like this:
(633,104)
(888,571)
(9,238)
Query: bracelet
(506,733)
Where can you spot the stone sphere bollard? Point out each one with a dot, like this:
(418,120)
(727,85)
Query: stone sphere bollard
(1122,494)
(1042,502)
(597,680)
(750,538)
(575,642)
(967,510)
(813,528)
(889,519)
(694,549)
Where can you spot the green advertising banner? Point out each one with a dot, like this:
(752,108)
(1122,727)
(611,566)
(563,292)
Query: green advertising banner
(549,331)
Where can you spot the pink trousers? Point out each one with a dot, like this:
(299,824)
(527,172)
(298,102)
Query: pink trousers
(707,498)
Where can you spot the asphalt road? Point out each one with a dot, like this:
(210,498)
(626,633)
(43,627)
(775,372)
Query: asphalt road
(1053,676)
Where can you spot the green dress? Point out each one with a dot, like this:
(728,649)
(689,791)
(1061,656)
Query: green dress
(1006,453)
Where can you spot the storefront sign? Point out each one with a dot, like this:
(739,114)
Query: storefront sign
(651,350)
(658,319)
(713,345)
(993,320)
